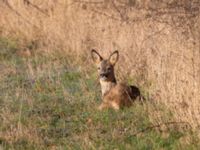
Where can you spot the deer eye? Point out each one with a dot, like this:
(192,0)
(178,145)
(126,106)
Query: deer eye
(98,68)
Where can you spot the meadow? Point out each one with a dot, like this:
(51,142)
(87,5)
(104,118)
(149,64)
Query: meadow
(49,90)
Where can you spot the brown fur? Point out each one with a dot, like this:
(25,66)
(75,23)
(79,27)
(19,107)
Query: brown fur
(115,95)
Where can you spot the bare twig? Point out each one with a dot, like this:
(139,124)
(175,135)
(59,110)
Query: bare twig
(159,125)
(89,2)
(105,14)
(123,17)
(27,2)
(18,14)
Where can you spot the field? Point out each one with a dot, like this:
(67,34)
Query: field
(49,89)
(47,103)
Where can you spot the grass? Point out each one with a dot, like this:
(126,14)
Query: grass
(46,103)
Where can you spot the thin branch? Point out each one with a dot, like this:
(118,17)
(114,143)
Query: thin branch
(123,17)
(18,14)
(150,36)
(159,125)
(105,14)
(89,2)
(27,2)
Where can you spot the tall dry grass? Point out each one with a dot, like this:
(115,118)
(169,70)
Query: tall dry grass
(159,41)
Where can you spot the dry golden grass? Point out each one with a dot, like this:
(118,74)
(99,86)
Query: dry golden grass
(159,47)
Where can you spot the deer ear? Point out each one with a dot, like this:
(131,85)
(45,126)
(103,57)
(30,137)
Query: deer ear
(96,57)
(114,57)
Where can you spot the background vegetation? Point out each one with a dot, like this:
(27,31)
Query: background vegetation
(49,88)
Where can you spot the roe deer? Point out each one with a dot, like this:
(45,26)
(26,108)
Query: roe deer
(115,95)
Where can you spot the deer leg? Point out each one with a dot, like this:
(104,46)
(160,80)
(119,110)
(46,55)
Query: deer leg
(115,105)
(103,106)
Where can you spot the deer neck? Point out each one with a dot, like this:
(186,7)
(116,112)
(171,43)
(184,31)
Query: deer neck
(106,86)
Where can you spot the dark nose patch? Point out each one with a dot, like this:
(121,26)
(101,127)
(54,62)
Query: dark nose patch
(103,75)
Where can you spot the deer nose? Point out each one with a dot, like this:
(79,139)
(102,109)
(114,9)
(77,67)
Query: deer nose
(103,75)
